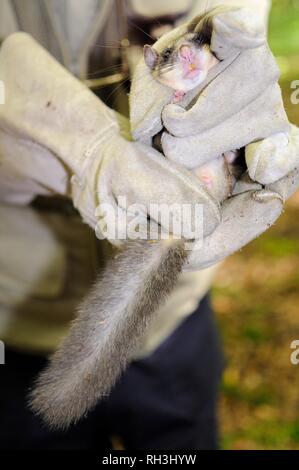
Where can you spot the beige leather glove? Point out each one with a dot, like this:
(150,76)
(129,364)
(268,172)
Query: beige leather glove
(48,113)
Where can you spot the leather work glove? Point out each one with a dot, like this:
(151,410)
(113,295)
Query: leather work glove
(238,105)
(54,131)
(244,217)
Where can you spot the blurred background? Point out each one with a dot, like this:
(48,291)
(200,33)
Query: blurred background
(256,291)
(256,298)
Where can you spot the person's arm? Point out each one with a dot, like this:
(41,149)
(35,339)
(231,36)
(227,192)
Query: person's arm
(8,22)
(156,9)
(28,170)
(260,7)
(190,8)
(58,137)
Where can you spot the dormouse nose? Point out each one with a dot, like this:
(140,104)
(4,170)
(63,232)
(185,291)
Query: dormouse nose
(186,53)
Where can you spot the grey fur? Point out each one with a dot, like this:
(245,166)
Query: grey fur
(106,333)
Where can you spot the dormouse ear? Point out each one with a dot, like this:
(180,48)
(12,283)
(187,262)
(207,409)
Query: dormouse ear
(150,56)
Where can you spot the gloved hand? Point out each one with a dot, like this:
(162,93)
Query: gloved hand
(47,112)
(244,217)
(239,105)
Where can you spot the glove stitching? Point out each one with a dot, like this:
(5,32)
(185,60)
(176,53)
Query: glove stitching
(89,155)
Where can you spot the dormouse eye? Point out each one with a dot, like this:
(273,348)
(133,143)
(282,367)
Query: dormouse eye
(199,39)
(166,53)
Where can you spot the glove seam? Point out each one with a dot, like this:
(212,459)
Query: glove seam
(78,180)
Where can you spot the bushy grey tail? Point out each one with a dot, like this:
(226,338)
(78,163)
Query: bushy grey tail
(105,335)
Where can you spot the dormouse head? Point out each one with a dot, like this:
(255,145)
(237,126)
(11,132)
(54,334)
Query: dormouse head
(185,63)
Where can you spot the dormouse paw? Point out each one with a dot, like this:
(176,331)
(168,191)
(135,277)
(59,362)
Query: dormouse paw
(178,96)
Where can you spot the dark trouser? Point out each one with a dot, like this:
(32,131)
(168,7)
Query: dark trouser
(166,401)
